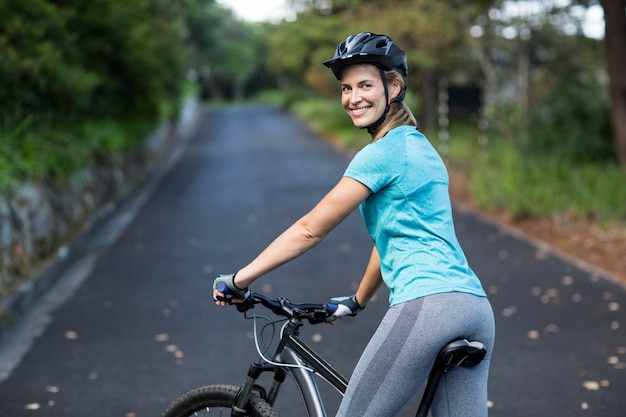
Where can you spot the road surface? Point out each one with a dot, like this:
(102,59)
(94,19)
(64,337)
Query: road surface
(130,325)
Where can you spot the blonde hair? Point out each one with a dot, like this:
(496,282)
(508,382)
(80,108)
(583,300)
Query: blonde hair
(399,113)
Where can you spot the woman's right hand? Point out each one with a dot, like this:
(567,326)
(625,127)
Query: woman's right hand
(226,292)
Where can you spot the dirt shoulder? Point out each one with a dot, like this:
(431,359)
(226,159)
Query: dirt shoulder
(601,246)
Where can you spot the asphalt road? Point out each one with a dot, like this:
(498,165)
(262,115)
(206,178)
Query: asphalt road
(130,325)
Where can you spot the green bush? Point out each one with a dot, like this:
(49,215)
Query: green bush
(40,63)
(571,120)
(135,50)
(55,149)
(82,81)
(506,178)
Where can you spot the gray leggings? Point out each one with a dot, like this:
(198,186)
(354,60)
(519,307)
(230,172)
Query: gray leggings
(398,358)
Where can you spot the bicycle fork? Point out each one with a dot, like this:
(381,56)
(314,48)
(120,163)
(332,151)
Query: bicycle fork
(303,377)
(254,372)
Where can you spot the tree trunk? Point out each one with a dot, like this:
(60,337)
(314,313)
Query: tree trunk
(489,85)
(523,88)
(615,39)
(428,115)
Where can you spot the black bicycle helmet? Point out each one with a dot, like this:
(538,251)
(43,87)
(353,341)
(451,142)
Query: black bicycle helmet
(369,48)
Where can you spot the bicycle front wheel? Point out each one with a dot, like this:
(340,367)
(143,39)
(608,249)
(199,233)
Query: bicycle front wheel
(215,400)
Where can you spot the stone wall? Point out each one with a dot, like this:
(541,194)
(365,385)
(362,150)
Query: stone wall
(39,221)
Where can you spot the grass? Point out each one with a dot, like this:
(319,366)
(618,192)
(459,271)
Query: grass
(545,186)
(504,177)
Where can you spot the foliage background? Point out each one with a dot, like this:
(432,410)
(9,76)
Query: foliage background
(83,82)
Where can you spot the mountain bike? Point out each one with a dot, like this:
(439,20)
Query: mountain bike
(292,357)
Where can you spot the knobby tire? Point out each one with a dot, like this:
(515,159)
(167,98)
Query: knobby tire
(215,400)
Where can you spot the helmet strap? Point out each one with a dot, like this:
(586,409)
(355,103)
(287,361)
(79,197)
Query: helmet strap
(372,128)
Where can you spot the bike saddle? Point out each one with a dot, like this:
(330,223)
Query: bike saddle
(460,352)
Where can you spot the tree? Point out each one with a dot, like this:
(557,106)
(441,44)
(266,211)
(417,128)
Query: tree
(298,54)
(40,63)
(615,38)
(426,29)
(135,48)
(224,52)
(83,81)
(523,53)
(235,56)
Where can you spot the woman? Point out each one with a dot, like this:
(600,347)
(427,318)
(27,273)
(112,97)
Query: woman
(401,185)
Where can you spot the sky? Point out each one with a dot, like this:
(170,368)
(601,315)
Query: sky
(257,10)
(275,10)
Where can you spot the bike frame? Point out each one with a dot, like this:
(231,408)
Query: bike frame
(302,362)
(300,354)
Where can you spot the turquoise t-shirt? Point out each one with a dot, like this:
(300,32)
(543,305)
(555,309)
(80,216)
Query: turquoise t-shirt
(409,217)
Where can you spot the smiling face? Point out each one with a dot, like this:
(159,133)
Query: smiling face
(362,94)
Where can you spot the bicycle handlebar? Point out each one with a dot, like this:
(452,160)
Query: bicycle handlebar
(314,313)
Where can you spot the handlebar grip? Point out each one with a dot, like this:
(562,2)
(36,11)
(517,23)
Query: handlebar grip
(223,288)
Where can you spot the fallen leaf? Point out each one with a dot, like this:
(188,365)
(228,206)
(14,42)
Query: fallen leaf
(608,296)
(591,385)
(509,311)
(53,389)
(551,328)
(161,337)
(533,334)
(32,406)
(70,334)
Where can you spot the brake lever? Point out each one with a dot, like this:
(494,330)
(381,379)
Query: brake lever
(245,305)
(323,315)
